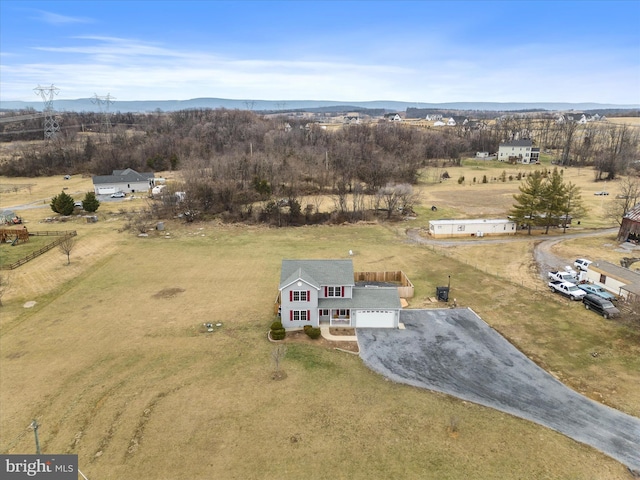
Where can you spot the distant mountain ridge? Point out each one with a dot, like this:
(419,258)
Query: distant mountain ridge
(87,105)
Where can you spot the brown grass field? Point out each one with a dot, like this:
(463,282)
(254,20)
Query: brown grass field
(114,364)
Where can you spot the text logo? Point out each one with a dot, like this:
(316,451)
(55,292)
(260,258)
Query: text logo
(49,467)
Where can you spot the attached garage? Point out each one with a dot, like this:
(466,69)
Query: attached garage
(105,190)
(376,319)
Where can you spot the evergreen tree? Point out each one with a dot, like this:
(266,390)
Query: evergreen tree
(90,203)
(553,199)
(573,205)
(62,204)
(528,204)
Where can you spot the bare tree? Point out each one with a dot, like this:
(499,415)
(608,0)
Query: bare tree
(568,130)
(393,196)
(277,354)
(627,199)
(66,246)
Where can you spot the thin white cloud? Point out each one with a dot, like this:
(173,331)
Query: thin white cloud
(57,19)
(131,69)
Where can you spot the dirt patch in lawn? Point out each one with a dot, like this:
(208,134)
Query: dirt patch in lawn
(168,292)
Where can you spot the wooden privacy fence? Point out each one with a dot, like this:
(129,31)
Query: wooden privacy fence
(405,290)
(62,237)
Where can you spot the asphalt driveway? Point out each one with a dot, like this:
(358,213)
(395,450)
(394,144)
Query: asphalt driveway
(455,352)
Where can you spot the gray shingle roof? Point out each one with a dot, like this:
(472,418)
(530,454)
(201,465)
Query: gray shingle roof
(365,297)
(123,176)
(623,274)
(317,272)
(517,143)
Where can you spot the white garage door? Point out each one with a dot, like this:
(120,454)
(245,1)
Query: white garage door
(106,190)
(375,319)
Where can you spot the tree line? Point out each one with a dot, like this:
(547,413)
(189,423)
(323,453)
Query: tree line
(232,159)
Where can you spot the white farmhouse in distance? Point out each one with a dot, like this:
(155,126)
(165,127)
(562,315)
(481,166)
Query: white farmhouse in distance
(519,151)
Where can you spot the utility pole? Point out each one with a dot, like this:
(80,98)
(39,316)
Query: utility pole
(103,103)
(35,426)
(51,127)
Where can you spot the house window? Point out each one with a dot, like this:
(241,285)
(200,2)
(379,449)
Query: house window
(300,296)
(300,315)
(461,228)
(603,279)
(334,291)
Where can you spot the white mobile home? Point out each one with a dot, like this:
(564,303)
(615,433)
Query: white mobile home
(617,280)
(471,228)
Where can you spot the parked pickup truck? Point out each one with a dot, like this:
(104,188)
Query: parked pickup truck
(561,276)
(567,289)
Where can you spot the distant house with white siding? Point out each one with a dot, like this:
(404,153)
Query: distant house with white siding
(519,151)
(479,227)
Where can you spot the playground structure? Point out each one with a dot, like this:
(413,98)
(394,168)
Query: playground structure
(14,235)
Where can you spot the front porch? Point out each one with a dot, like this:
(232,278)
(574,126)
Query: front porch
(335,317)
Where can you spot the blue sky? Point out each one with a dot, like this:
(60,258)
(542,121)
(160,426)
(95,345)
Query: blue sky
(417,51)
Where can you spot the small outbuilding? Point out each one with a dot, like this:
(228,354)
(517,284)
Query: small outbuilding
(630,226)
(471,227)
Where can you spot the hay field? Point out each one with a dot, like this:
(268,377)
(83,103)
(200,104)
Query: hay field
(113,362)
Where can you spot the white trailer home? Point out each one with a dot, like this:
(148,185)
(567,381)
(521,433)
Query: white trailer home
(618,280)
(471,228)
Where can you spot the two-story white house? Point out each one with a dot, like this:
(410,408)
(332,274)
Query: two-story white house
(520,151)
(324,292)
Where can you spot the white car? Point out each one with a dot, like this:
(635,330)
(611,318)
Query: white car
(118,195)
(582,264)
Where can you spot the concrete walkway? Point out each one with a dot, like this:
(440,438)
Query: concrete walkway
(326,334)
(453,351)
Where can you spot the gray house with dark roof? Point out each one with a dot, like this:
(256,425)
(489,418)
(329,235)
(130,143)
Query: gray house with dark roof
(323,292)
(128,181)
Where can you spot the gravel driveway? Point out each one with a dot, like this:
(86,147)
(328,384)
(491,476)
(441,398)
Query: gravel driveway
(455,352)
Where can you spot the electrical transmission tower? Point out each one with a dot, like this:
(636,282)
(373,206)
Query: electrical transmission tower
(51,127)
(103,103)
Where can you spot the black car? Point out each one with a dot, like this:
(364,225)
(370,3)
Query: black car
(600,305)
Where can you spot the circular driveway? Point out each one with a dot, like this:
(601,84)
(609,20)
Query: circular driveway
(455,352)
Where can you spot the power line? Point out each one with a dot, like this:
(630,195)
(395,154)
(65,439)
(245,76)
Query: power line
(21,118)
(103,103)
(51,126)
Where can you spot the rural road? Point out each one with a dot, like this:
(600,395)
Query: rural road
(455,352)
(545,260)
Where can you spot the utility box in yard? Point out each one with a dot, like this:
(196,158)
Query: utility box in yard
(442,294)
